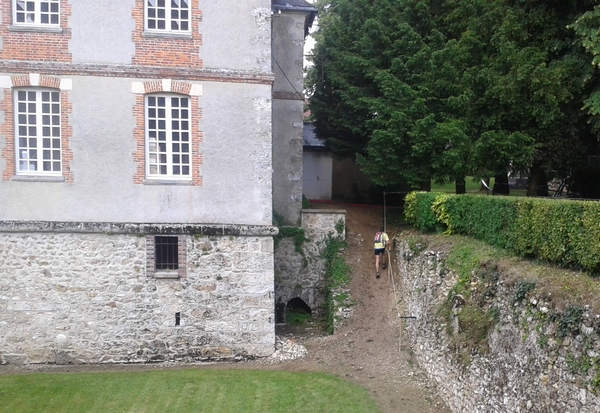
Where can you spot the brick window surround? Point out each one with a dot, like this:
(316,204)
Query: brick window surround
(192,91)
(7,128)
(167,48)
(35,42)
(151,270)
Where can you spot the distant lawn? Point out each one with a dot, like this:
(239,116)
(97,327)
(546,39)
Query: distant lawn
(472,188)
(194,391)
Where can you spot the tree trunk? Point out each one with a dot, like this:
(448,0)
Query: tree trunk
(461,186)
(501,185)
(426,185)
(538,184)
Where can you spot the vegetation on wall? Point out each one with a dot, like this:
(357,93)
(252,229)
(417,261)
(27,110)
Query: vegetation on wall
(494,287)
(337,275)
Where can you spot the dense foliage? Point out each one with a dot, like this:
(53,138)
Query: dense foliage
(444,89)
(562,232)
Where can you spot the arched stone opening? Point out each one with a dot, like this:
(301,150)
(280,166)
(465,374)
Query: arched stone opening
(295,310)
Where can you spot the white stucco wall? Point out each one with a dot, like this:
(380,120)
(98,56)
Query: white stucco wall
(236,36)
(236,169)
(102,31)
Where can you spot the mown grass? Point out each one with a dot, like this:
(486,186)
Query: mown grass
(198,391)
(472,187)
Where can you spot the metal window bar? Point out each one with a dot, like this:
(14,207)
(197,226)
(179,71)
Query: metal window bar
(166,253)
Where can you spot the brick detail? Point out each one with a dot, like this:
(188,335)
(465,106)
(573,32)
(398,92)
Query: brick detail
(168,50)
(20,81)
(181,256)
(139,135)
(7,129)
(45,81)
(35,45)
(181,87)
(153,86)
(65,137)
(7,132)
(50,81)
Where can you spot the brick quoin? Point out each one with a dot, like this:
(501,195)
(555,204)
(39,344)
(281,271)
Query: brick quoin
(167,50)
(7,132)
(35,45)
(139,131)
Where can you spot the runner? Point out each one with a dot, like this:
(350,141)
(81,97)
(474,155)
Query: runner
(381,243)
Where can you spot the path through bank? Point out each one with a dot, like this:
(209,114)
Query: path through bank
(366,350)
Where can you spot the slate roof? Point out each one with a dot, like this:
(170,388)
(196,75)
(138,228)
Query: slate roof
(310,139)
(292,3)
(297,6)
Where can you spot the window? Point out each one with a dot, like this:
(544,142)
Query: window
(168,15)
(36,12)
(166,253)
(38,132)
(168,146)
(166,256)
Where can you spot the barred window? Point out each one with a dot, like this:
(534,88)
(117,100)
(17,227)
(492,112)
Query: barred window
(38,132)
(166,254)
(168,146)
(36,12)
(168,15)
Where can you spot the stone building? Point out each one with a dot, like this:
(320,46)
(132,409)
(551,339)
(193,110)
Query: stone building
(136,193)
(291,22)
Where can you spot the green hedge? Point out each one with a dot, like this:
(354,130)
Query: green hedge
(562,232)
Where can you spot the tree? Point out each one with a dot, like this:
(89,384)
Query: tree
(432,89)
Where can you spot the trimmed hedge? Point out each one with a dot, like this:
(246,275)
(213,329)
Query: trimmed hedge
(563,232)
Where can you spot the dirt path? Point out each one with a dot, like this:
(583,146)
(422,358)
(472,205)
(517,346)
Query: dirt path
(366,350)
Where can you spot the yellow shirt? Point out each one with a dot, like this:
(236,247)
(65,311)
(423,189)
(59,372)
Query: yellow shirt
(383,239)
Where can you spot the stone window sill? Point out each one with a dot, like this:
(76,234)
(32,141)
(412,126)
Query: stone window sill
(166,275)
(165,182)
(39,29)
(170,35)
(37,178)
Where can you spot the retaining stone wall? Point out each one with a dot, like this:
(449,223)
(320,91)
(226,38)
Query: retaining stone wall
(302,275)
(518,374)
(85,297)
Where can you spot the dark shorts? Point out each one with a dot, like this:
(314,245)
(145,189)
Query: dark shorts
(379,251)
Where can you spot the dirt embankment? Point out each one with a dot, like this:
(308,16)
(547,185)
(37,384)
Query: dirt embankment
(366,350)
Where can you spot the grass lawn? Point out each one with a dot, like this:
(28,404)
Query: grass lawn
(471,188)
(217,391)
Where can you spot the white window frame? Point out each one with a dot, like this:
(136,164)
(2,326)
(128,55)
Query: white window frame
(22,8)
(162,10)
(168,137)
(38,132)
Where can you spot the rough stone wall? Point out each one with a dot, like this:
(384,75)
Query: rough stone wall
(518,373)
(302,275)
(68,297)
